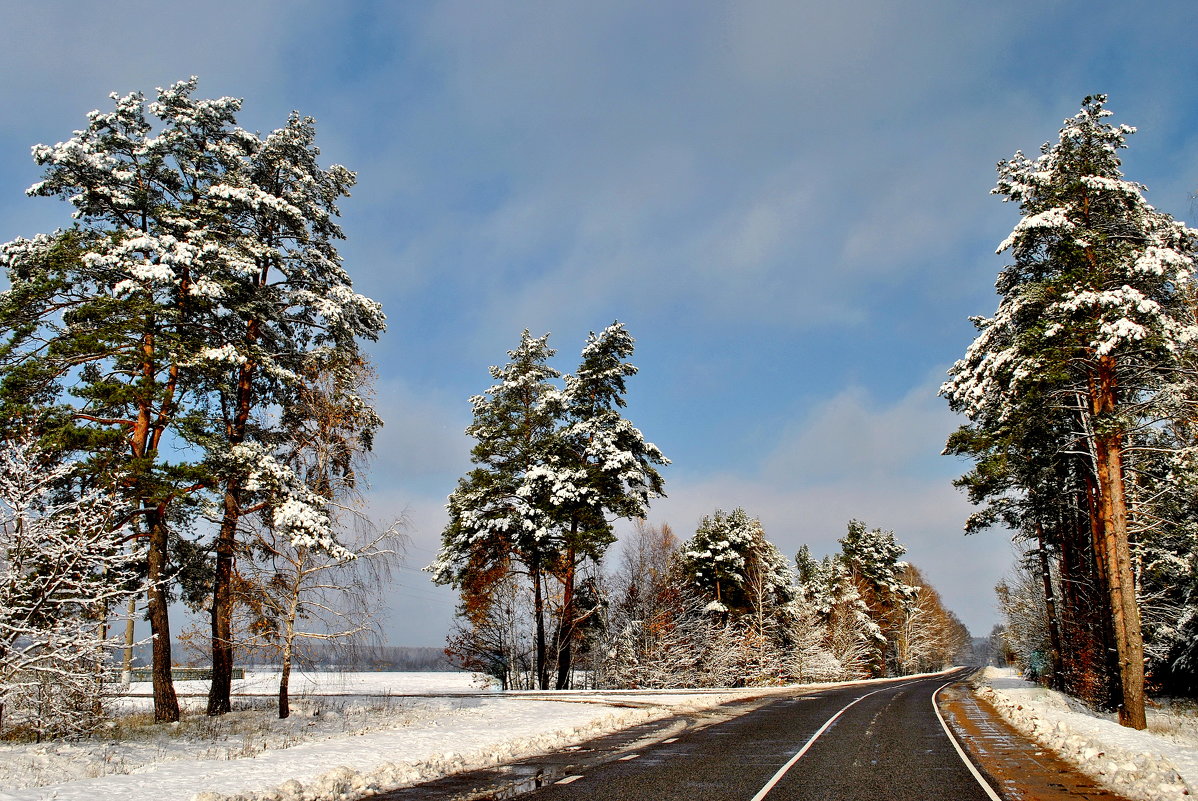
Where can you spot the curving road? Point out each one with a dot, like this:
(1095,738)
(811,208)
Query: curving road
(869,741)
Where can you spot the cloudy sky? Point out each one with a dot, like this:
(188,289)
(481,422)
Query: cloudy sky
(786,202)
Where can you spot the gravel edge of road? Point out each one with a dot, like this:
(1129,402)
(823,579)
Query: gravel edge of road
(1017,767)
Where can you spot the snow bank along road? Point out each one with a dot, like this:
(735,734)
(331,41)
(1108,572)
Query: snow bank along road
(853,742)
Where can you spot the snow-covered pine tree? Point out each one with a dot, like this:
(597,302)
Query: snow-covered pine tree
(871,557)
(288,312)
(555,468)
(749,589)
(121,305)
(198,280)
(725,548)
(64,565)
(1095,313)
(499,517)
(601,469)
(1033,474)
(807,657)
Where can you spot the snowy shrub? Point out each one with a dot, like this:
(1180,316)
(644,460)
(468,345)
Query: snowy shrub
(63,562)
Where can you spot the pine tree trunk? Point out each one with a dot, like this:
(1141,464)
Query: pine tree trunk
(1104,683)
(1083,612)
(220,691)
(542,666)
(166,702)
(564,645)
(1050,606)
(1116,551)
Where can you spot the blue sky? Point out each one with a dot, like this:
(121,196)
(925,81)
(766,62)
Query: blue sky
(786,202)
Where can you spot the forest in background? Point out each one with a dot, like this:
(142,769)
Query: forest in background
(556,463)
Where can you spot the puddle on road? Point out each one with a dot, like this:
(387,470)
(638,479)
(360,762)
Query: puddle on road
(524,779)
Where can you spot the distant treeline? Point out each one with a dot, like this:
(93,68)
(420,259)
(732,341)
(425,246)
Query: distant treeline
(317,656)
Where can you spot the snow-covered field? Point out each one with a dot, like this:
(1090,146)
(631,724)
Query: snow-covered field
(351,735)
(1153,765)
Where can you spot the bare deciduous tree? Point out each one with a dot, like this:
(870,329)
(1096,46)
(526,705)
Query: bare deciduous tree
(292,594)
(63,564)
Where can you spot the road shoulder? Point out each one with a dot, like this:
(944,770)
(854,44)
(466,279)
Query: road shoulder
(1017,768)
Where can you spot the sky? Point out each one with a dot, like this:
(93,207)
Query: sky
(787,204)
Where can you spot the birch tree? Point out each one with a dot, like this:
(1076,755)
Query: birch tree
(871,557)
(295,594)
(827,588)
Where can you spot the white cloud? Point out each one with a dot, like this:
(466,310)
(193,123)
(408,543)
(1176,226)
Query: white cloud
(852,438)
(763,161)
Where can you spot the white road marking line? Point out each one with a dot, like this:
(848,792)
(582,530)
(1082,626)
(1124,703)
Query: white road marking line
(568,780)
(790,764)
(961,753)
(626,758)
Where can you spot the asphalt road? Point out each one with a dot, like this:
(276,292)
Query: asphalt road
(888,744)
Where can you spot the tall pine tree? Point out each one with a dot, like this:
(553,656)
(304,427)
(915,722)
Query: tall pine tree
(1094,318)
(498,515)
(196,287)
(603,469)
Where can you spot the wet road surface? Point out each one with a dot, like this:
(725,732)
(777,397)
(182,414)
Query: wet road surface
(868,741)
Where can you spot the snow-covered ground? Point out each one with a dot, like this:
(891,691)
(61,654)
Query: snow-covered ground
(1153,765)
(351,735)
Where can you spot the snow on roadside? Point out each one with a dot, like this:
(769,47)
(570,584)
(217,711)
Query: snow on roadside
(1138,764)
(355,746)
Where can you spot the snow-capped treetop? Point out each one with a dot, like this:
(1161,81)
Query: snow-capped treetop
(598,384)
(873,554)
(729,550)
(511,417)
(618,461)
(1097,272)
